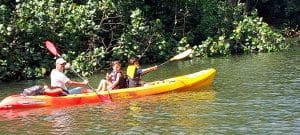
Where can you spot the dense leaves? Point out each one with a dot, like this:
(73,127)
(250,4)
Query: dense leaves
(92,33)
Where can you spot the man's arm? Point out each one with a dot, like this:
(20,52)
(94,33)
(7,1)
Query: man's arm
(76,84)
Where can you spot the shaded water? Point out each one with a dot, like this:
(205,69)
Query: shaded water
(251,94)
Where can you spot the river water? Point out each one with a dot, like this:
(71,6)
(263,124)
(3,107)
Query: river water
(251,94)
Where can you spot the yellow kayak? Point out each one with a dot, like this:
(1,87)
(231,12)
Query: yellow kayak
(196,80)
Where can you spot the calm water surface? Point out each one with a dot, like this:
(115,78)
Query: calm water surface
(253,94)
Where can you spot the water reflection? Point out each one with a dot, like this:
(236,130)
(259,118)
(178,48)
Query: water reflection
(131,116)
(172,109)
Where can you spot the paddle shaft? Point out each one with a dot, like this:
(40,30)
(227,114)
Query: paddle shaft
(81,78)
(163,63)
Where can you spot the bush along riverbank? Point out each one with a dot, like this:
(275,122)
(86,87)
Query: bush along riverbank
(90,33)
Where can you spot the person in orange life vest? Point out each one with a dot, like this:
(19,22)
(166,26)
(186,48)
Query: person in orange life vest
(60,80)
(134,72)
(112,80)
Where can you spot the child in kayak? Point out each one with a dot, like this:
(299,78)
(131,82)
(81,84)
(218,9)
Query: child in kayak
(113,79)
(134,72)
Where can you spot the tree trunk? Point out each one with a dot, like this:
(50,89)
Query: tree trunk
(247,7)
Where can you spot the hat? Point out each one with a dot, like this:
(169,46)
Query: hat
(60,61)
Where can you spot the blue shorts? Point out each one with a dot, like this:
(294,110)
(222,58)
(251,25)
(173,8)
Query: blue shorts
(76,90)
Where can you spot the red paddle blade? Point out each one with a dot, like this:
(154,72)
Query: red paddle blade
(51,47)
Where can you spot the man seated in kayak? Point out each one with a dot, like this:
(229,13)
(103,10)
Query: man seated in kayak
(134,72)
(60,80)
(113,79)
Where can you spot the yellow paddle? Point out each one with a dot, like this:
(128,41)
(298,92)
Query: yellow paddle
(178,56)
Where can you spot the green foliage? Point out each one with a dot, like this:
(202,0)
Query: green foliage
(249,34)
(253,35)
(213,47)
(92,33)
(85,64)
(210,19)
(141,38)
(26,25)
